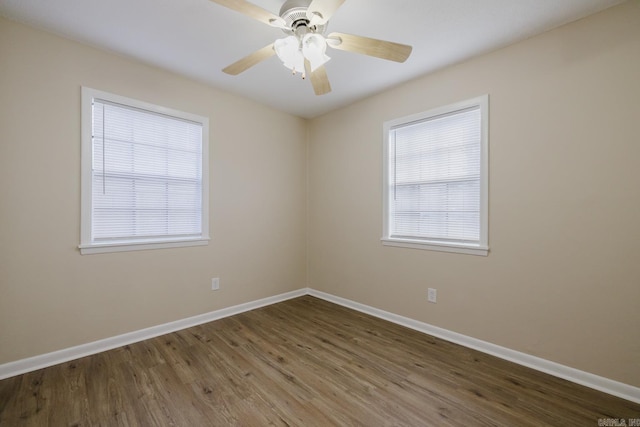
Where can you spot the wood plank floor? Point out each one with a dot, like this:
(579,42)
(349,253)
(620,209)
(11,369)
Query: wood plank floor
(303,362)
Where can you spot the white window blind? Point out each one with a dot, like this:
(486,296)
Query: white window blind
(435,178)
(146,176)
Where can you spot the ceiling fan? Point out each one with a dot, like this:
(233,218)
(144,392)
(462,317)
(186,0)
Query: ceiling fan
(303,50)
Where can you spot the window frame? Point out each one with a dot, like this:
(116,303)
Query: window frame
(87,244)
(482,248)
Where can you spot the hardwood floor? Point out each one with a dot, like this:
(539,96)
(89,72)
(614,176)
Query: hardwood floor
(303,362)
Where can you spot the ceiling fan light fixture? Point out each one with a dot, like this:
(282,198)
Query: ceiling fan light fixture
(293,51)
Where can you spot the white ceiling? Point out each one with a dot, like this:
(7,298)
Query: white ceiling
(197,38)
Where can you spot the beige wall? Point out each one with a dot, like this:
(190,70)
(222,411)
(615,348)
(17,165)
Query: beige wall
(51,297)
(562,280)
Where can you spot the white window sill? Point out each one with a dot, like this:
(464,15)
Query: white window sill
(98,248)
(440,247)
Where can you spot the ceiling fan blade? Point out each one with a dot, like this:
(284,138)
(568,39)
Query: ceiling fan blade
(253,11)
(319,79)
(319,11)
(250,60)
(379,48)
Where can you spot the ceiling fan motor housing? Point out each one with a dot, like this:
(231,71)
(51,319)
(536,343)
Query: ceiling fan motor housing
(294,13)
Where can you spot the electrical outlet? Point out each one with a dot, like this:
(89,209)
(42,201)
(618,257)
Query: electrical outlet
(215,284)
(432,295)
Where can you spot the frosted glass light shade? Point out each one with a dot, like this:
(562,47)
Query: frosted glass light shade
(288,50)
(314,47)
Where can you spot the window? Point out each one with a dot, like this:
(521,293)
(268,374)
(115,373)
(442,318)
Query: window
(436,179)
(144,175)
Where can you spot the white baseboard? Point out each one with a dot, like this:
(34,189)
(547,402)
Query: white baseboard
(606,385)
(587,379)
(49,359)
